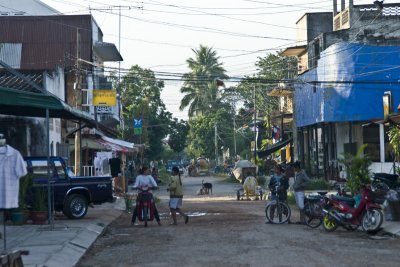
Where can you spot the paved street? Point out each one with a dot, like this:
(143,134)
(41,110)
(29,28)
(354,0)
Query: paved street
(226,232)
(221,231)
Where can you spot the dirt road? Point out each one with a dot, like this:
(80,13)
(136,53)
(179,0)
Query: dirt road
(225,232)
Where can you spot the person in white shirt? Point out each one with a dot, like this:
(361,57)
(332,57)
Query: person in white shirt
(144,179)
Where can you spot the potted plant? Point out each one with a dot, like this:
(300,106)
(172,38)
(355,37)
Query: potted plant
(21,214)
(357,168)
(39,209)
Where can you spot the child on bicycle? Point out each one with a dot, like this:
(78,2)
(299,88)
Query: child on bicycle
(278,185)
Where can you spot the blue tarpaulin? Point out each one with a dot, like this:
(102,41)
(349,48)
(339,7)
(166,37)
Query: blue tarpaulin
(348,84)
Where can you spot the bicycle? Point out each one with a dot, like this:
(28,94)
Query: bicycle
(277,211)
(313,205)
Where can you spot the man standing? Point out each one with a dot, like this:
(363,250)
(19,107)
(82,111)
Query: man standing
(300,181)
(115,167)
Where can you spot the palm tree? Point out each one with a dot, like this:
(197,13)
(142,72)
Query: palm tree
(200,88)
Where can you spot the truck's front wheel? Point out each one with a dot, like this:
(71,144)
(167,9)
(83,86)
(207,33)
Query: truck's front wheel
(75,206)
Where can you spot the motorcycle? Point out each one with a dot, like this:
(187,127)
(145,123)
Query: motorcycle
(385,181)
(342,211)
(145,205)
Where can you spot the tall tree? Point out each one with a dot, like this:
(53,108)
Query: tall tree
(200,88)
(141,99)
(178,135)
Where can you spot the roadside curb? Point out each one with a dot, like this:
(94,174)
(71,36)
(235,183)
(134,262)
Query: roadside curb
(72,252)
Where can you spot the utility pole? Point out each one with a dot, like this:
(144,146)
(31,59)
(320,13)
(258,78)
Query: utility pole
(255,124)
(216,143)
(78,103)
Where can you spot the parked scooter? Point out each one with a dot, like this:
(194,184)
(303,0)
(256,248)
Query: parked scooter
(145,205)
(385,181)
(342,211)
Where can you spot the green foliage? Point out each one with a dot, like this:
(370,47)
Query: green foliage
(40,199)
(25,183)
(357,168)
(178,134)
(163,175)
(261,180)
(200,88)
(141,98)
(394,140)
(318,184)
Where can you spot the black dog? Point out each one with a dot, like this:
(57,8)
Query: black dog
(206,187)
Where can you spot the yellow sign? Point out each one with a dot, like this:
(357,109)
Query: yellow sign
(105,98)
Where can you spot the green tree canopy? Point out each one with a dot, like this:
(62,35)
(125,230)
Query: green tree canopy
(141,99)
(200,89)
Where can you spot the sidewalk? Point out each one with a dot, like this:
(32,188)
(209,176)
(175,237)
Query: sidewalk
(64,242)
(391,227)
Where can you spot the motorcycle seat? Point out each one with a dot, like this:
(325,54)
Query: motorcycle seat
(348,200)
(386,176)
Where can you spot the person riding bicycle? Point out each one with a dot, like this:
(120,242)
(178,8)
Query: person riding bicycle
(278,185)
(144,179)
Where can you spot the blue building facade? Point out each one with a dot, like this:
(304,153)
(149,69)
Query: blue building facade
(348,84)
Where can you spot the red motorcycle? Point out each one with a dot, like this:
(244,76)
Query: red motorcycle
(342,211)
(145,205)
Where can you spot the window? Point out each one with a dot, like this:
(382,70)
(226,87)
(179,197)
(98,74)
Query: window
(59,169)
(372,139)
(39,167)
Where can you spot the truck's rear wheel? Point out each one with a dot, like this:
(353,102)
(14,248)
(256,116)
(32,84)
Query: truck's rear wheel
(75,206)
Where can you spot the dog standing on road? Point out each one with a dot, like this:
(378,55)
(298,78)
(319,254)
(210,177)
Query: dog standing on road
(206,188)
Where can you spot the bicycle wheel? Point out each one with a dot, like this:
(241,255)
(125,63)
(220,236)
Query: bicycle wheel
(278,213)
(312,214)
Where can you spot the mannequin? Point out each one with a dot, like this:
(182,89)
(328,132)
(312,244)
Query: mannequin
(12,167)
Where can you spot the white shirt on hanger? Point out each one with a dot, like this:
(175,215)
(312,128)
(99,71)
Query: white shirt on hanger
(12,167)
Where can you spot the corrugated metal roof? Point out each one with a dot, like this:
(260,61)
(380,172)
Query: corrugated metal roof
(48,41)
(8,80)
(10,53)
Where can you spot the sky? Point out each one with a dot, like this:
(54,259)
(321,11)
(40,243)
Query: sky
(160,34)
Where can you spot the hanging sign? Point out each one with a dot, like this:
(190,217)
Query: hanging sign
(105,98)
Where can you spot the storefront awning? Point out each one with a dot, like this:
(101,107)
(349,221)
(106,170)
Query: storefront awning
(274,148)
(117,144)
(103,144)
(22,103)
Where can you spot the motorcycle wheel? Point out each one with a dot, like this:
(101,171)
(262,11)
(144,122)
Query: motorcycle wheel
(145,216)
(372,220)
(312,215)
(329,224)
